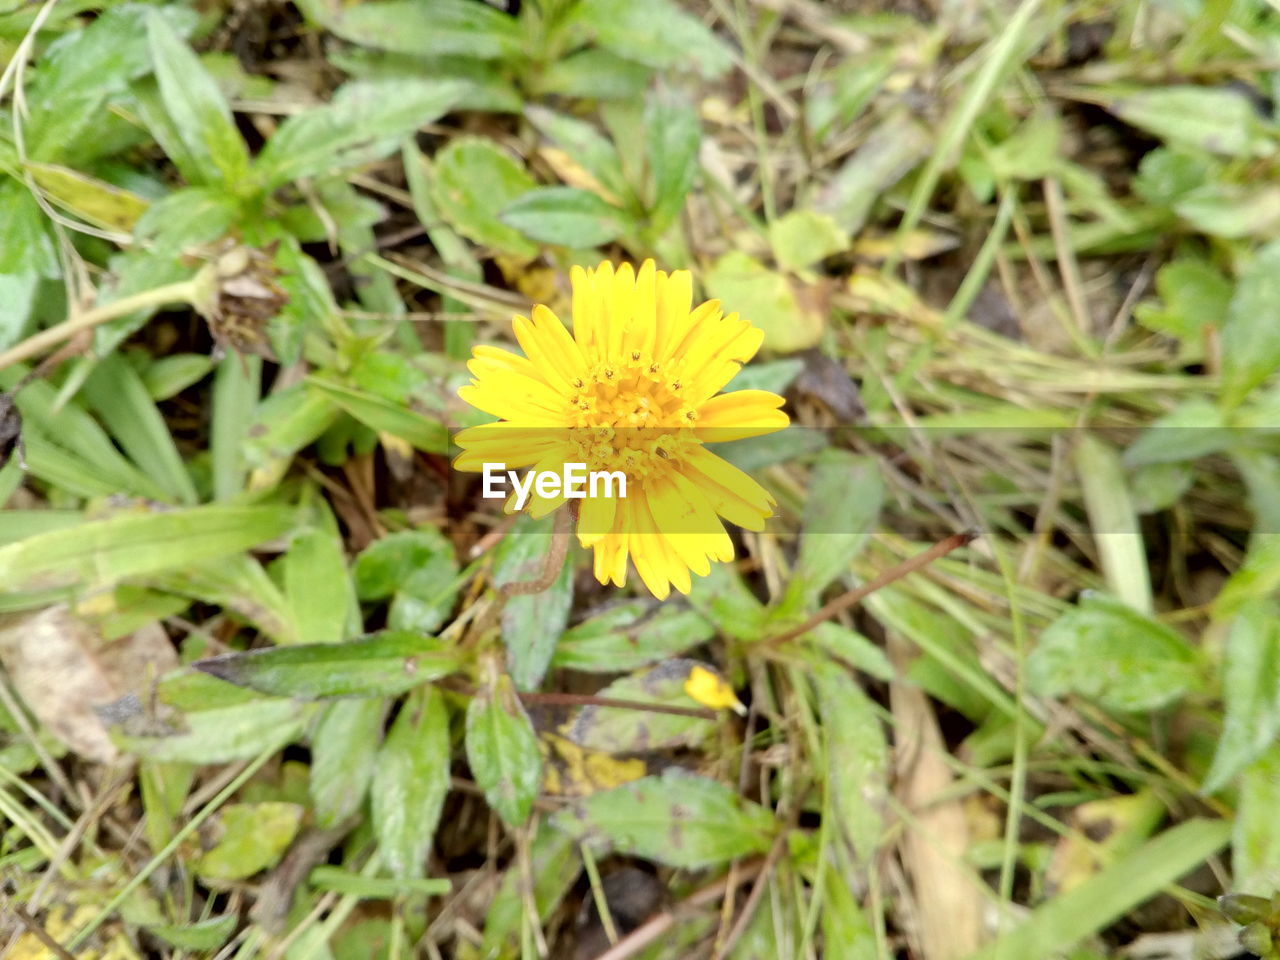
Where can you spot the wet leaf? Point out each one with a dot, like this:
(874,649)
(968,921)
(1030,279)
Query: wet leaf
(381,664)
(250,838)
(677,819)
(410,783)
(502,748)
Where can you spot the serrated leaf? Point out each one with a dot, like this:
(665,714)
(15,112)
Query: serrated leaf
(1250,691)
(410,784)
(677,819)
(1251,335)
(197,107)
(566,216)
(1108,652)
(381,664)
(502,748)
(366,120)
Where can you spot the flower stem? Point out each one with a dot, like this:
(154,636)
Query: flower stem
(185,291)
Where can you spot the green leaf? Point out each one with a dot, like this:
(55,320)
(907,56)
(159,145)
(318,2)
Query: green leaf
(1254,579)
(1110,653)
(342,881)
(119,397)
(566,216)
(1195,298)
(317,585)
(1231,210)
(1218,120)
(366,121)
(251,838)
(1052,929)
(197,107)
(677,819)
(658,33)
(343,757)
(424,27)
(166,377)
(475,181)
(531,622)
(845,496)
(724,600)
(382,664)
(618,730)
(767,299)
(1250,691)
(502,748)
(1255,843)
(410,784)
(582,141)
(203,936)
(95,201)
(416,569)
(800,238)
(223,734)
(284,423)
(1251,335)
(555,864)
(104,552)
(596,74)
(384,416)
(856,770)
(672,138)
(1194,429)
(631,635)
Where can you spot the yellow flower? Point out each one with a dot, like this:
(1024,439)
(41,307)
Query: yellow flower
(635,390)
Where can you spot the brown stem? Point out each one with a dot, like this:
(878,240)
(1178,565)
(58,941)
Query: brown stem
(551,564)
(855,596)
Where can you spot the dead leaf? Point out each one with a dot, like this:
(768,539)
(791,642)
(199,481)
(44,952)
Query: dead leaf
(949,904)
(65,673)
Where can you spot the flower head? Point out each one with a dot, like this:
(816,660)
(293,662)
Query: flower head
(634,390)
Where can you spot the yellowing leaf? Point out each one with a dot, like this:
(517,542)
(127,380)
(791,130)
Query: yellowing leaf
(95,201)
(768,299)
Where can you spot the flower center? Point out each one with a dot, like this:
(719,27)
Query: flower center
(631,416)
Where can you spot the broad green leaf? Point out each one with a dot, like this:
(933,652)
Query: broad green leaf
(251,837)
(120,398)
(1255,843)
(1250,691)
(166,377)
(416,569)
(1107,652)
(532,622)
(285,422)
(197,107)
(104,552)
(317,585)
(834,641)
(658,33)
(475,181)
(343,757)
(1255,579)
(384,416)
(1231,210)
(672,140)
(767,298)
(725,600)
(365,121)
(502,748)
(677,819)
(1251,335)
(1194,298)
(596,74)
(631,635)
(856,773)
(1194,429)
(1166,175)
(433,27)
(410,784)
(843,506)
(1218,120)
(617,730)
(28,248)
(241,587)
(566,216)
(202,936)
(382,664)
(1052,929)
(223,734)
